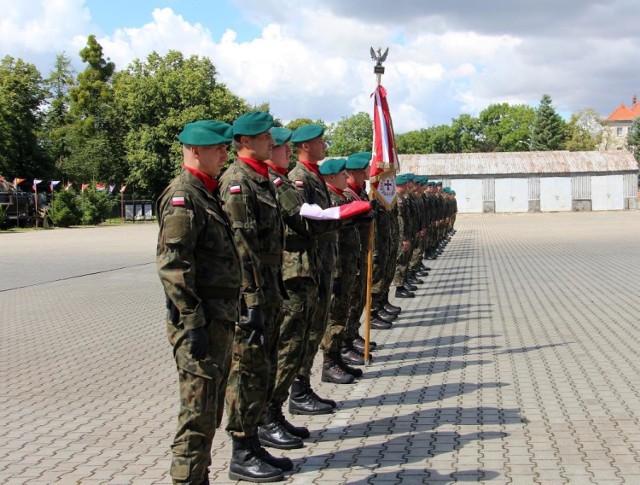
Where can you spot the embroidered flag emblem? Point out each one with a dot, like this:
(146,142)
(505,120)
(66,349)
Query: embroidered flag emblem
(299,183)
(177,201)
(235,189)
(277,181)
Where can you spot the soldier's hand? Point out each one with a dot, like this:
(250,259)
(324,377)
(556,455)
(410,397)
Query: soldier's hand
(198,342)
(254,320)
(337,286)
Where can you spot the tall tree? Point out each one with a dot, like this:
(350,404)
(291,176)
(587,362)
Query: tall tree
(155,98)
(633,140)
(584,130)
(413,142)
(95,132)
(22,94)
(549,131)
(350,135)
(60,81)
(506,128)
(467,134)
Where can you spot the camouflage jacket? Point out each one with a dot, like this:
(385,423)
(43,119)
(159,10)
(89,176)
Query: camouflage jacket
(348,240)
(352,194)
(197,259)
(250,201)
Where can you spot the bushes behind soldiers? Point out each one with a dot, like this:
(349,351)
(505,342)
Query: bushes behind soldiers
(64,209)
(96,206)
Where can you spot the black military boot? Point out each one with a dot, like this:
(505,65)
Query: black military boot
(402,292)
(324,400)
(299,431)
(412,279)
(272,433)
(285,464)
(350,355)
(393,309)
(358,344)
(246,463)
(385,317)
(409,287)
(304,401)
(379,324)
(332,372)
(354,371)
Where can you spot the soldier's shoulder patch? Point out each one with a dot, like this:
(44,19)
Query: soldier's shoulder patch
(235,189)
(299,183)
(177,200)
(277,181)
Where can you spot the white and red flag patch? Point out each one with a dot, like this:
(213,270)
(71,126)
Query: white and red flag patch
(177,200)
(345,211)
(299,183)
(235,189)
(277,181)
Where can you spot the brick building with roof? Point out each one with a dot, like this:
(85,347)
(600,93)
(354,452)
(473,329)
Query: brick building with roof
(618,125)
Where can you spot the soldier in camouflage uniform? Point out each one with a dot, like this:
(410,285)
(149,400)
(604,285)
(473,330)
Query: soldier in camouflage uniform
(250,202)
(406,217)
(358,173)
(415,265)
(199,267)
(335,339)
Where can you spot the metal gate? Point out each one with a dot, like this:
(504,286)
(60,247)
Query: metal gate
(468,194)
(606,193)
(512,195)
(555,194)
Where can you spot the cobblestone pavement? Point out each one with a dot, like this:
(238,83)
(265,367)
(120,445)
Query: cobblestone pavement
(517,363)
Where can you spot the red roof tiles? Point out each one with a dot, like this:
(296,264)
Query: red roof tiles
(622,113)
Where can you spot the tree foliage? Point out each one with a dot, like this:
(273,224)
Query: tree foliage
(633,140)
(549,131)
(506,128)
(351,134)
(584,130)
(64,210)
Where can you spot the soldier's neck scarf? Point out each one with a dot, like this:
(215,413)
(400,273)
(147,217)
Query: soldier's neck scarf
(338,191)
(258,167)
(312,167)
(275,168)
(209,182)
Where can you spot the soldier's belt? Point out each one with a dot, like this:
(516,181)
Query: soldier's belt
(271,259)
(218,292)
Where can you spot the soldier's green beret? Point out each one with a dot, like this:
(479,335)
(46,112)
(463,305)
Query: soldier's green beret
(420,179)
(446,189)
(252,123)
(205,133)
(453,192)
(332,166)
(409,176)
(402,179)
(280,135)
(306,133)
(439,183)
(358,161)
(432,183)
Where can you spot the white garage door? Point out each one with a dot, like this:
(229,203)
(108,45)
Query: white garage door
(468,194)
(512,195)
(555,194)
(606,193)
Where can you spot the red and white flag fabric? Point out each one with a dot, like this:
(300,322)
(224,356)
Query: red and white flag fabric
(345,211)
(101,187)
(83,187)
(384,155)
(35,184)
(123,188)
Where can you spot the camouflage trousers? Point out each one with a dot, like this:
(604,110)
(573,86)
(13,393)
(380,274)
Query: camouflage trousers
(253,371)
(297,312)
(319,315)
(402,262)
(389,273)
(358,299)
(418,252)
(335,333)
(202,388)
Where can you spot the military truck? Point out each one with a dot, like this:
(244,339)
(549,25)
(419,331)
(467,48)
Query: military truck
(19,207)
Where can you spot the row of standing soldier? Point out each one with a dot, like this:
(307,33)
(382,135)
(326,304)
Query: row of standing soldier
(254,289)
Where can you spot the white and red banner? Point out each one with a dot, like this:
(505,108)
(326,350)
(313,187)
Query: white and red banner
(384,159)
(345,211)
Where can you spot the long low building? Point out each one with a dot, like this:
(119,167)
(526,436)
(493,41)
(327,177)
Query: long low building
(533,181)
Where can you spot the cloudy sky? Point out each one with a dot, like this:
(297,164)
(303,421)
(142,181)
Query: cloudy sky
(311,58)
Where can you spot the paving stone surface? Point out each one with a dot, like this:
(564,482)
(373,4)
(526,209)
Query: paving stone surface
(517,363)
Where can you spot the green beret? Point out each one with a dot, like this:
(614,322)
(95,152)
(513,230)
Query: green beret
(358,161)
(446,189)
(280,135)
(439,183)
(432,183)
(425,180)
(205,133)
(252,123)
(306,133)
(332,166)
(410,176)
(401,179)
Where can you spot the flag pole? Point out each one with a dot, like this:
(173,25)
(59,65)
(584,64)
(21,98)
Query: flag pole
(35,200)
(378,70)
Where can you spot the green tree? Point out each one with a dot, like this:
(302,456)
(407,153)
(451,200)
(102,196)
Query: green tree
(413,142)
(64,210)
(95,133)
(584,130)
(60,81)
(633,140)
(506,128)
(95,205)
(467,134)
(155,98)
(549,130)
(350,135)
(22,95)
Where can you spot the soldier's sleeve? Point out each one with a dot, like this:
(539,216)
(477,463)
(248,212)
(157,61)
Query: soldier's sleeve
(401,223)
(238,204)
(175,259)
